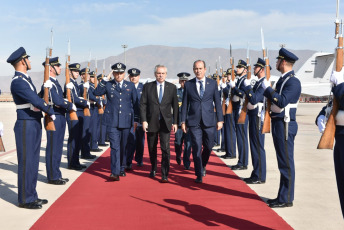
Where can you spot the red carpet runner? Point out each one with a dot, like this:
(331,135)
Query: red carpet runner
(223,201)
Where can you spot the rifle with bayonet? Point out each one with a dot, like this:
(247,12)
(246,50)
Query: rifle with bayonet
(242,116)
(72,114)
(327,138)
(48,121)
(267,119)
(229,109)
(87,112)
(100,107)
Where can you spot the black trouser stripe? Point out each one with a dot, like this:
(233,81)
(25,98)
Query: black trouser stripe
(258,148)
(24,162)
(288,165)
(242,129)
(231,136)
(51,154)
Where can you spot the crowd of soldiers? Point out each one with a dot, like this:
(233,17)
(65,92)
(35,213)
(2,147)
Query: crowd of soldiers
(125,121)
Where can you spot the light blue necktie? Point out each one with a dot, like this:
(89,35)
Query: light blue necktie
(201,90)
(160,94)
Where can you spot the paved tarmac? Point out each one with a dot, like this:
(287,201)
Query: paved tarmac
(316,204)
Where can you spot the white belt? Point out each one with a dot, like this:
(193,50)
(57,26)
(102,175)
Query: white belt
(235,98)
(276,109)
(340,118)
(28,106)
(251,107)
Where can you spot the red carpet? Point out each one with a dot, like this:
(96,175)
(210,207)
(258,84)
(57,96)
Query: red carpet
(223,201)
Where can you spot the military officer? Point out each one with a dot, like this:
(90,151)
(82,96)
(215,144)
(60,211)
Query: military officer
(54,148)
(241,129)
(284,101)
(120,112)
(74,139)
(102,127)
(256,115)
(136,139)
(180,136)
(27,129)
(94,101)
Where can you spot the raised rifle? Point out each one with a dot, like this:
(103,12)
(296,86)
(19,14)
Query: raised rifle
(100,108)
(327,138)
(87,112)
(48,121)
(242,116)
(229,109)
(72,114)
(267,118)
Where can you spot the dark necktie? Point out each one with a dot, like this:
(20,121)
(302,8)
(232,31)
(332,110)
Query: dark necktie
(160,94)
(201,90)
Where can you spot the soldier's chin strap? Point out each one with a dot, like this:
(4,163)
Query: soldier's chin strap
(54,70)
(27,67)
(258,71)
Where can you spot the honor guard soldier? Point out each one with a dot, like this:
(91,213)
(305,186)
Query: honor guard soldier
(85,121)
(102,127)
(136,141)
(241,129)
(180,136)
(74,139)
(284,101)
(54,149)
(27,129)
(229,124)
(256,117)
(94,101)
(119,115)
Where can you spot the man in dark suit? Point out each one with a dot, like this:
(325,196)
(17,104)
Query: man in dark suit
(200,96)
(159,108)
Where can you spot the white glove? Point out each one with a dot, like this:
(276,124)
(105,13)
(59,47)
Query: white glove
(89,104)
(74,107)
(337,77)
(232,84)
(247,82)
(53,117)
(321,123)
(266,84)
(101,103)
(105,79)
(86,85)
(108,77)
(70,85)
(1,129)
(227,101)
(48,84)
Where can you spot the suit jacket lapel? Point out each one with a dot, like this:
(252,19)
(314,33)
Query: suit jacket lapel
(155,92)
(194,88)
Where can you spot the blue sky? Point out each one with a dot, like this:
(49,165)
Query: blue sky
(103,26)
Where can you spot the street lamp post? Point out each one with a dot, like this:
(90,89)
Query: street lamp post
(124,47)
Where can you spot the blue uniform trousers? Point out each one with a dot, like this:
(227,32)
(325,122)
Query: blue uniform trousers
(101,130)
(85,136)
(53,151)
(242,141)
(222,136)
(201,136)
(118,142)
(28,134)
(285,157)
(257,148)
(74,143)
(230,135)
(93,128)
(181,137)
(136,143)
(338,157)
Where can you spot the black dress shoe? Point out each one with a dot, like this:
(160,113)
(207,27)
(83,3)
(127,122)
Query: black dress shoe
(122,173)
(238,167)
(277,204)
(41,201)
(164,180)
(89,157)
(32,205)
(83,166)
(152,174)
(179,161)
(199,179)
(57,182)
(114,177)
(227,157)
(140,164)
(204,171)
(220,150)
(253,181)
(103,145)
(75,167)
(65,179)
(129,167)
(187,167)
(270,201)
(96,150)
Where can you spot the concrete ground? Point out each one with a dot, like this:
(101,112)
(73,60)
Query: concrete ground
(316,204)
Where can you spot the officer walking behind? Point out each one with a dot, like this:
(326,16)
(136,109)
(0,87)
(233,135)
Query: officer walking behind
(136,141)
(27,129)
(74,138)
(102,127)
(54,149)
(241,129)
(284,101)
(118,116)
(180,136)
(256,117)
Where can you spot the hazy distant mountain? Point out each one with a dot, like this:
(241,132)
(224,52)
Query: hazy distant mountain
(177,59)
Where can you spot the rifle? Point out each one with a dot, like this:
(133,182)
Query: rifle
(267,119)
(327,138)
(217,75)
(72,114)
(87,112)
(242,116)
(48,121)
(229,109)
(2,147)
(100,108)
